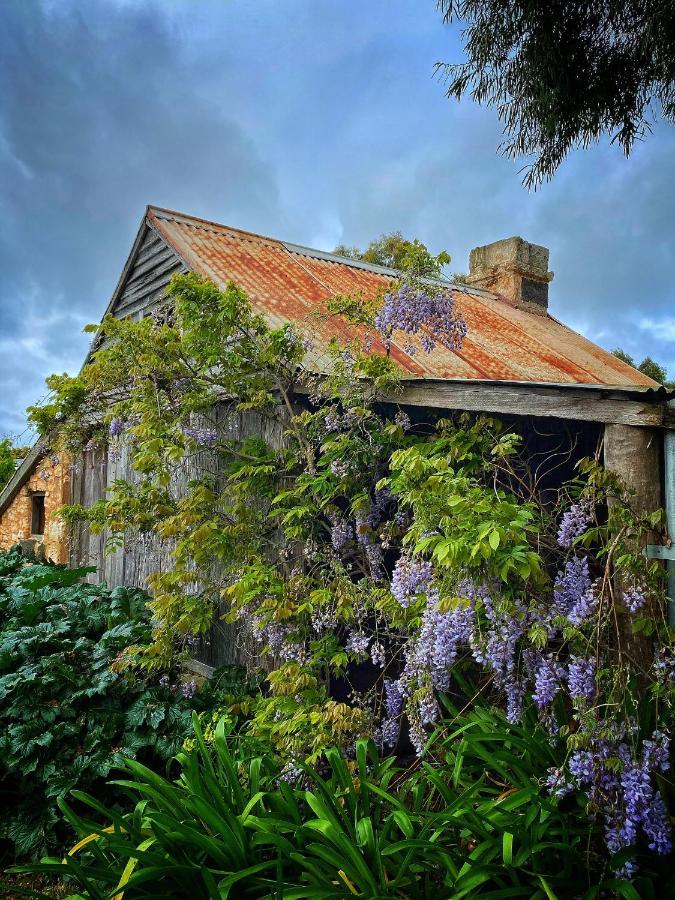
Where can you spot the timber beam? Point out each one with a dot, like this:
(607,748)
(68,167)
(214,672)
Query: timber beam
(606,405)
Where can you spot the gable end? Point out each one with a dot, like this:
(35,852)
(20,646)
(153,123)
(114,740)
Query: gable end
(151,268)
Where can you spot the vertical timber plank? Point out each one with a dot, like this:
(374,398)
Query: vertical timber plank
(636,454)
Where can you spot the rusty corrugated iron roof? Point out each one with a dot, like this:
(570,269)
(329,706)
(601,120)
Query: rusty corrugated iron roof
(288,283)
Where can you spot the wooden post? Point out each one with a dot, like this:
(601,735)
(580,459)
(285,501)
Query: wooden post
(636,455)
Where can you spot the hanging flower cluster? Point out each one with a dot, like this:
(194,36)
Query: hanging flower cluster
(617,773)
(415,310)
(620,784)
(410,578)
(203,437)
(575,522)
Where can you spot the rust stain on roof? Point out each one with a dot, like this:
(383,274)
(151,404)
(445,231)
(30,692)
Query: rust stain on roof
(287,283)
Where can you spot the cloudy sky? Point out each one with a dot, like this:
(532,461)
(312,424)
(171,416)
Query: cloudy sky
(316,121)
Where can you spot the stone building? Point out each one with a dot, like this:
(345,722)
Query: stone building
(29,503)
(517,362)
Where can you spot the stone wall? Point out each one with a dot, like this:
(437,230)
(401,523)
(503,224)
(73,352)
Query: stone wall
(50,476)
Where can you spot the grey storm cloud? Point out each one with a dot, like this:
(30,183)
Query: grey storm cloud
(319,123)
(97,118)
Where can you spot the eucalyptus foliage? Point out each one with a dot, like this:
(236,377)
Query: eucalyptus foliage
(564,73)
(369,559)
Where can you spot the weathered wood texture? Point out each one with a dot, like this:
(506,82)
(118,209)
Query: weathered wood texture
(147,279)
(582,404)
(636,455)
(140,557)
(88,483)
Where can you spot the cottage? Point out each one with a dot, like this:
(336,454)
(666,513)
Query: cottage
(517,362)
(41,485)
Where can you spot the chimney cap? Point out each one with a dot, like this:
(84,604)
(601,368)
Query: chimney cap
(514,269)
(513,253)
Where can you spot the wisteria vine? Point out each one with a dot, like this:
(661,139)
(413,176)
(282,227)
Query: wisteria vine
(370,557)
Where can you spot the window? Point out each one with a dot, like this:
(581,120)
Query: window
(38,514)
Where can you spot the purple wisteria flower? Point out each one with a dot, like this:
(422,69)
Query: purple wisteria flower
(638,794)
(203,437)
(546,681)
(324,619)
(403,420)
(428,708)
(341,533)
(339,468)
(291,774)
(656,752)
(571,586)
(373,549)
(410,578)
(581,678)
(189,689)
(393,697)
(357,643)
(515,694)
(634,598)
(557,783)
(383,499)
(331,421)
(574,523)
(191,641)
(440,637)
(116,427)
(656,826)
(620,787)
(582,766)
(616,840)
(164,681)
(279,640)
(584,608)
(390,731)
(497,651)
(375,557)
(412,310)
(377,655)
(664,667)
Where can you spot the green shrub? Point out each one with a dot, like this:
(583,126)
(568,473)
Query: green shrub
(473,819)
(68,713)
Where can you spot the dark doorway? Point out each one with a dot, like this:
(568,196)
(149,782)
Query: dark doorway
(37,514)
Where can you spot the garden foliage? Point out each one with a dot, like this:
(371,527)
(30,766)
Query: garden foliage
(469,821)
(374,558)
(69,710)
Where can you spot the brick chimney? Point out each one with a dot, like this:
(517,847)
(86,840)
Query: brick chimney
(515,270)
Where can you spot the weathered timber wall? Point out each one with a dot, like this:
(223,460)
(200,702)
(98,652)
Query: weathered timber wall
(88,482)
(144,287)
(553,448)
(133,563)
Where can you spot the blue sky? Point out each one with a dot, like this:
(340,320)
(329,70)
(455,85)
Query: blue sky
(316,121)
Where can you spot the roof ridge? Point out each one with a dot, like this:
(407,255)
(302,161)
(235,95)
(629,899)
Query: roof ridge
(302,250)
(176,214)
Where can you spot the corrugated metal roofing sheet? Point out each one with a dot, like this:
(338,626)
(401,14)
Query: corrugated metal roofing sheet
(288,283)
